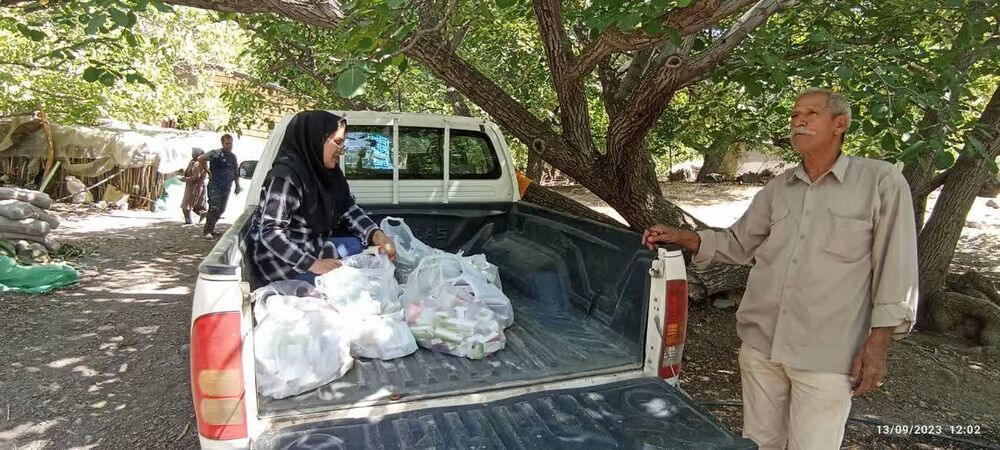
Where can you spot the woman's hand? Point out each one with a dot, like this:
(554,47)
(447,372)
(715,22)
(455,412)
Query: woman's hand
(322,266)
(385,245)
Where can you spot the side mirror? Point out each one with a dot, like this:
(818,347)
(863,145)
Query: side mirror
(247,169)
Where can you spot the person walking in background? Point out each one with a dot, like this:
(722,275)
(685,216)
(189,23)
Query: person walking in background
(194,189)
(223,172)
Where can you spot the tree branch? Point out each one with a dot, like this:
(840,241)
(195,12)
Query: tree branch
(319,13)
(610,82)
(752,19)
(433,53)
(933,184)
(659,86)
(457,102)
(29,66)
(685,21)
(972,57)
(640,62)
(573,108)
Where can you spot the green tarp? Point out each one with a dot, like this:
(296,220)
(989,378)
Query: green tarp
(34,279)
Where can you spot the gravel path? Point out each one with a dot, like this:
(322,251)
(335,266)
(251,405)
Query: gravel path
(104,364)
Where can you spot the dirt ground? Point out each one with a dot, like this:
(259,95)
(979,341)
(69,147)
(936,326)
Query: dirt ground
(103,364)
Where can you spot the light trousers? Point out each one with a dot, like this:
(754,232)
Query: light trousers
(782,405)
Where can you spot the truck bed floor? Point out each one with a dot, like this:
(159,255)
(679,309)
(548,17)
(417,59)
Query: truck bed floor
(540,344)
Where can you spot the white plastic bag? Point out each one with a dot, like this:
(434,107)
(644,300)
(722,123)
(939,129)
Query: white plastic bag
(77,189)
(381,337)
(298,345)
(432,271)
(456,318)
(488,270)
(363,286)
(480,291)
(291,288)
(409,250)
(457,272)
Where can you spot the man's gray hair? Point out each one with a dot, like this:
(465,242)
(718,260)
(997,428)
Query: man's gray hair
(839,104)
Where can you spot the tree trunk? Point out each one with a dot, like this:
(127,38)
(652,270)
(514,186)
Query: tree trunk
(991,188)
(535,166)
(716,279)
(457,102)
(939,237)
(543,196)
(920,171)
(721,160)
(625,179)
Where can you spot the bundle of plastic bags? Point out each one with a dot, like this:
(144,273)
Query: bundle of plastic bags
(298,345)
(364,285)
(365,292)
(382,337)
(443,268)
(454,303)
(461,317)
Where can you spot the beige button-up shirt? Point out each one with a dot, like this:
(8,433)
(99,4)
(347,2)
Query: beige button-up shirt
(831,260)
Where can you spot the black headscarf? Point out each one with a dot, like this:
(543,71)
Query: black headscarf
(325,193)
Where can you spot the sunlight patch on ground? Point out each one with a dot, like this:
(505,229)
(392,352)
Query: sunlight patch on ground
(65,362)
(26,429)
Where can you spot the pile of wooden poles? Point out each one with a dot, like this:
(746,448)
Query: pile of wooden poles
(143,184)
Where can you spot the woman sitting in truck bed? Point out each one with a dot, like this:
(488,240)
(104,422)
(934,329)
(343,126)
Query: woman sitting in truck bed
(307,219)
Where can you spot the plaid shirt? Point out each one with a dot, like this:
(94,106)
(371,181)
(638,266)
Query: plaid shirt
(283,244)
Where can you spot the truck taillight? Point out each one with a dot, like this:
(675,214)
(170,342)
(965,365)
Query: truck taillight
(675,326)
(217,376)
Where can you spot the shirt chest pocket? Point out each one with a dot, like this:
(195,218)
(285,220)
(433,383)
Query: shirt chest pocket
(850,240)
(779,230)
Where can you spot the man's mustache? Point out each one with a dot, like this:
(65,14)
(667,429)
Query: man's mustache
(800,130)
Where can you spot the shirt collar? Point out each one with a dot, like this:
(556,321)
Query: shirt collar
(839,170)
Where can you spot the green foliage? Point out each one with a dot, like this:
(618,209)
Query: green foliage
(896,61)
(124,60)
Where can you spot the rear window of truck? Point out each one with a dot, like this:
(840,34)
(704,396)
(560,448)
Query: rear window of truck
(368,154)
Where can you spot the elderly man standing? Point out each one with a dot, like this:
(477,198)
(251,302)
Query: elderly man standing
(834,279)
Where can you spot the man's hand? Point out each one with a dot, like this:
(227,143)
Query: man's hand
(385,245)
(662,234)
(321,266)
(869,366)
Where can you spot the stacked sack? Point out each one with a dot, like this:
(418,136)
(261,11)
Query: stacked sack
(453,304)
(25,225)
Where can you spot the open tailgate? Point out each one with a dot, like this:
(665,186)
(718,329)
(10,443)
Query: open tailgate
(636,413)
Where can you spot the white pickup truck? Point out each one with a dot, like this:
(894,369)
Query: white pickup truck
(591,360)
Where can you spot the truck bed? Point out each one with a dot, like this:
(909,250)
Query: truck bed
(579,294)
(539,345)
